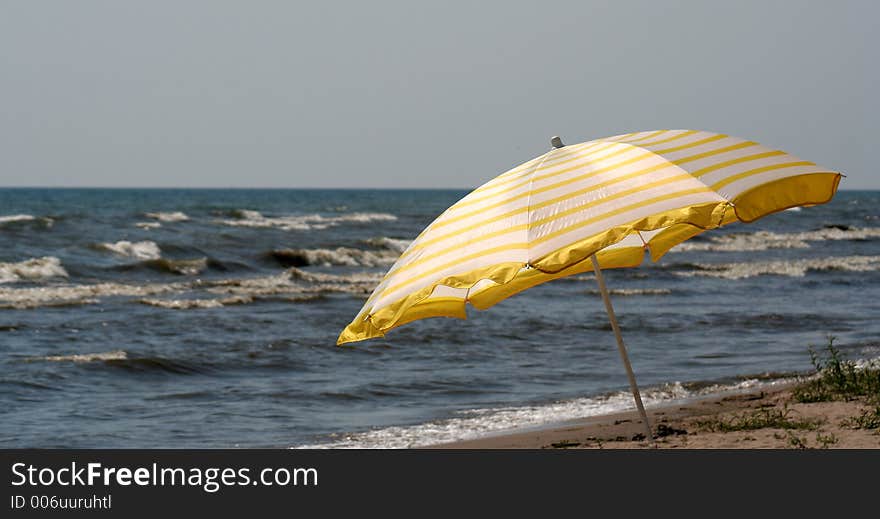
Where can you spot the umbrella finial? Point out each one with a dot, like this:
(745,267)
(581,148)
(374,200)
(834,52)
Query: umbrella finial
(556,142)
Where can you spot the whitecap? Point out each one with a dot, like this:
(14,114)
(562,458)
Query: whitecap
(764,240)
(139,250)
(59,295)
(185,304)
(175,216)
(34,269)
(148,225)
(255,219)
(16,218)
(344,256)
(85,357)
(792,268)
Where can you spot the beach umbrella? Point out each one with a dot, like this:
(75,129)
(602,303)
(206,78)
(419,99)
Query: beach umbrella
(591,206)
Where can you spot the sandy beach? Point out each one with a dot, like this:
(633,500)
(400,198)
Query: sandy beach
(706,423)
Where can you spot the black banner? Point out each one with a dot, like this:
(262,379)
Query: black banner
(136,482)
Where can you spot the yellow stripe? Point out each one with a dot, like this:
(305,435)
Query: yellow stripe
(537,223)
(591,174)
(573,156)
(444,266)
(571,149)
(714,167)
(717,151)
(744,174)
(668,139)
(419,246)
(620,138)
(707,140)
(637,205)
(646,137)
(578,225)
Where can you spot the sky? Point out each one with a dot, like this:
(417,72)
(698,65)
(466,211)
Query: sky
(416,94)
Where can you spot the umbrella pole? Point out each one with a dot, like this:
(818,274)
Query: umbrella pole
(622,348)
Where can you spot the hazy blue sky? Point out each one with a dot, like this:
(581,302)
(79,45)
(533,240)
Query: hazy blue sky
(416,94)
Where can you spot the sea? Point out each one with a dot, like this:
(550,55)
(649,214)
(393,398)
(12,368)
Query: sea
(178,318)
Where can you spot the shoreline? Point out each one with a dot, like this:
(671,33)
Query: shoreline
(695,422)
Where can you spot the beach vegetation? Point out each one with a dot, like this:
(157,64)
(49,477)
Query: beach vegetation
(837,378)
(760,418)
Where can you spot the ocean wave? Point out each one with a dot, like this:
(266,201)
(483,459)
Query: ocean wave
(121,359)
(186,304)
(183,267)
(34,269)
(139,250)
(764,240)
(84,357)
(174,216)
(148,225)
(296,281)
(392,244)
(60,295)
(293,285)
(475,423)
(343,256)
(634,292)
(792,268)
(11,219)
(255,219)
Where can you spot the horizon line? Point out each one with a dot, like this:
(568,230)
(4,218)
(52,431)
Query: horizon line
(305,188)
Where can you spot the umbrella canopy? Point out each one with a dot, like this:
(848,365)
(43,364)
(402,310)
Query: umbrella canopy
(613,197)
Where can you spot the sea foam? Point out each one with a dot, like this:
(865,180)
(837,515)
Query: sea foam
(255,219)
(34,269)
(792,268)
(764,240)
(139,250)
(175,216)
(475,423)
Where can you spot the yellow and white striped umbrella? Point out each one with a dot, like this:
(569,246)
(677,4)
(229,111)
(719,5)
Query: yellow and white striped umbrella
(613,197)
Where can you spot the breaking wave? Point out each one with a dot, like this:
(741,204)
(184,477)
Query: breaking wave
(27,298)
(85,357)
(11,219)
(392,244)
(634,292)
(326,257)
(292,285)
(255,219)
(139,250)
(175,216)
(764,240)
(34,269)
(792,268)
(121,359)
(183,267)
(296,281)
(148,225)
(185,304)
(475,423)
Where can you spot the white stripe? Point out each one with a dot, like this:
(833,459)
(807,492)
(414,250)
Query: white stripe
(507,191)
(734,189)
(607,204)
(459,248)
(512,255)
(702,148)
(681,141)
(720,174)
(538,251)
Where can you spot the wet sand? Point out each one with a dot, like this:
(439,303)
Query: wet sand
(689,425)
